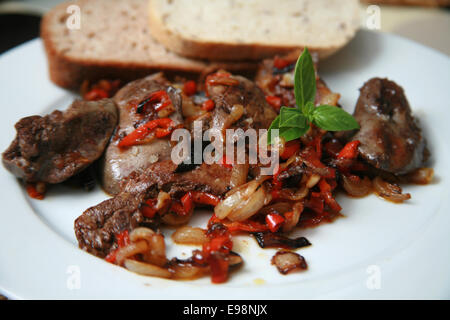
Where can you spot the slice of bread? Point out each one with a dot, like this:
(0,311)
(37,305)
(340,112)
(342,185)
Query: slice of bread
(114,42)
(252,29)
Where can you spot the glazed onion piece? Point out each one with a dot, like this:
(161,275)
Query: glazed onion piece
(287,261)
(234,197)
(237,111)
(420,176)
(292,218)
(147,269)
(173,219)
(356,187)
(296,195)
(251,206)
(239,175)
(163,200)
(276,240)
(389,191)
(312,181)
(156,248)
(190,235)
(189,109)
(187,271)
(131,250)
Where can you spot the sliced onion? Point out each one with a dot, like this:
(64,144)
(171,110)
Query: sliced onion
(420,176)
(147,269)
(173,219)
(287,261)
(292,220)
(141,233)
(312,181)
(188,271)
(190,235)
(279,207)
(131,250)
(189,109)
(289,194)
(157,251)
(234,197)
(237,111)
(389,191)
(250,206)
(163,200)
(239,175)
(359,188)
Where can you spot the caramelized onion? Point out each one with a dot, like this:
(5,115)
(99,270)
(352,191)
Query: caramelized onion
(297,195)
(131,250)
(420,176)
(190,235)
(389,191)
(173,219)
(359,188)
(287,261)
(237,111)
(147,269)
(313,180)
(187,271)
(252,205)
(239,175)
(291,220)
(234,197)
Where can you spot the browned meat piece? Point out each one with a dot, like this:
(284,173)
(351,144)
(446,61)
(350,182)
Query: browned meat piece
(53,148)
(390,138)
(118,163)
(96,227)
(257,113)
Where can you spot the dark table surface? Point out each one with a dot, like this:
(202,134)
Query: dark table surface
(17,29)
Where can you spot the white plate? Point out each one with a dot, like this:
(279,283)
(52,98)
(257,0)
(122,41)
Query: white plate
(379,250)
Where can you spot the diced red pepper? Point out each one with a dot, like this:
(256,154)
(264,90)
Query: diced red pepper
(274,101)
(219,269)
(280,63)
(122,240)
(246,226)
(205,198)
(148,208)
(144,130)
(274,221)
(95,94)
(32,191)
(315,202)
(290,148)
(189,88)
(208,105)
(350,150)
(178,208)
(187,202)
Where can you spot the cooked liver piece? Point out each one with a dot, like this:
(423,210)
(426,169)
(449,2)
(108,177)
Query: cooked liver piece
(53,148)
(118,163)
(390,138)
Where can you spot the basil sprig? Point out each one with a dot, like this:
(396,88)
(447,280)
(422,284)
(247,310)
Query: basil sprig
(293,123)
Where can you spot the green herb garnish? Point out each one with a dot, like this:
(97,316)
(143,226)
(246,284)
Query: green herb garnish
(293,123)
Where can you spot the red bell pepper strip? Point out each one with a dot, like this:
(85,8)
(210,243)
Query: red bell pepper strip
(187,202)
(208,105)
(290,148)
(350,150)
(95,94)
(189,88)
(280,63)
(144,130)
(122,240)
(274,101)
(274,221)
(33,192)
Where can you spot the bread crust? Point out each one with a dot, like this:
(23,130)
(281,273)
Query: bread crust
(211,51)
(69,72)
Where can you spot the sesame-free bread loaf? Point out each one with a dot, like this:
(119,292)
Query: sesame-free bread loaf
(113,42)
(252,29)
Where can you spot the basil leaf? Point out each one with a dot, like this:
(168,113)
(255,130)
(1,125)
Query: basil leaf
(275,125)
(293,133)
(304,80)
(291,117)
(332,118)
(308,110)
